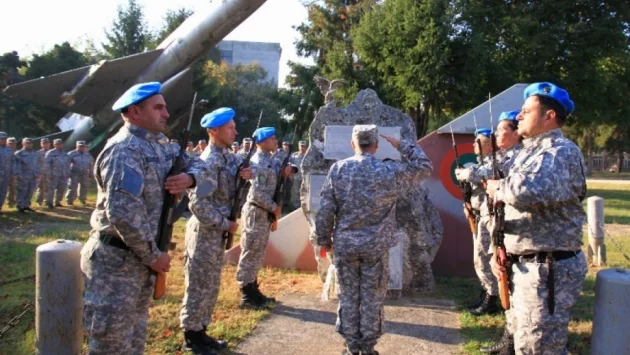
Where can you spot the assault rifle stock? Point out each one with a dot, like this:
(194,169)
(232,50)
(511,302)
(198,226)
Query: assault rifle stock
(466,188)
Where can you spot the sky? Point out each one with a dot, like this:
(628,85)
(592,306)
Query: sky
(56,21)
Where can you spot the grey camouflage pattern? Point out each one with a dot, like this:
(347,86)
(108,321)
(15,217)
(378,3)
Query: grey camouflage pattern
(296,159)
(482,257)
(81,166)
(130,173)
(6,172)
(362,281)
(536,332)
(58,169)
(255,216)
(204,252)
(27,170)
(543,185)
(42,187)
(358,200)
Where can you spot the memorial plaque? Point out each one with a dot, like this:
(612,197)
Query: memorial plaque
(316,183)
(337,143)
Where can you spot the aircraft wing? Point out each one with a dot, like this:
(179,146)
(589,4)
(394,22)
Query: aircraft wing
(88,89)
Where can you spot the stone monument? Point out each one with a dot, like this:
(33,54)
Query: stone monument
(420,231)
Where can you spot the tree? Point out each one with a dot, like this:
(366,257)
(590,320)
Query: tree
(406,42)
(129,33)
(59,59)
(172,20)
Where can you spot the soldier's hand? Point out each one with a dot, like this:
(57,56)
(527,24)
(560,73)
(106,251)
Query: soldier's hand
(497,269)
(393,141)
(246,173)
(327,248)
(462,174)
(491,187)
(233,227)
(162,264)
(288,171)
(178,183)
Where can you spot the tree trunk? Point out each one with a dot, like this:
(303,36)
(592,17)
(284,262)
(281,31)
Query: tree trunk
(619,161)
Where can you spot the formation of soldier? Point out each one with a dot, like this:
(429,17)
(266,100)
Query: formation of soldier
(537,176)
(47,171)
(526,167)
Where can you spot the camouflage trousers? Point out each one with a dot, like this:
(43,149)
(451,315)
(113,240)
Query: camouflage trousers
(118,290)
(482,258)
(4,188)
(362,284)
(80,182)
(25,189)
(42,189)
(535,330)
(12,192)
(56,188)
(204,261)
(254,238)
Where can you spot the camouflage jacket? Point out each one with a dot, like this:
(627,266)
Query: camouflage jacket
(296,159)
(264,180)
(6,161)
(57,164)
(543,196)
(41,156)
(130,174)
(81,163)
(358,200)
(508,157)
(26,164)
(212,206)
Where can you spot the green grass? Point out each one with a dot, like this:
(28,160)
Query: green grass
(478,331)
(624,175)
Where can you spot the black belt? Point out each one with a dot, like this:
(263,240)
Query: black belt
(113,240)
(270,215)
(541,257)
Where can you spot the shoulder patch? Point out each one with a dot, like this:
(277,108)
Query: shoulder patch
(261,178)
(131,181)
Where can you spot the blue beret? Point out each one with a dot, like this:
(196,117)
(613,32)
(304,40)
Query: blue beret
(509,115)
(136,94)
(484,132)
(217,118)
(263,133)
(551,91)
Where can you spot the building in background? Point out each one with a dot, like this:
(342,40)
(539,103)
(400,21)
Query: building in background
(267,55)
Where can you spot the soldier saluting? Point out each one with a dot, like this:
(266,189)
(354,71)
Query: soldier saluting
(117,260)
(543,195)
(357,218)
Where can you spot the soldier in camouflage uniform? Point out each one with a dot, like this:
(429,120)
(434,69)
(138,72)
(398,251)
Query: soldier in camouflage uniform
(204,251)
(247,145)
(121,256)
(6,167)
(42,187)
(477,175)
(201,146)
(81,166)
(58,169)
(357,219)
(259,212)
(12,144)
(543,195)
(27,172)
(296,159)
(235,147)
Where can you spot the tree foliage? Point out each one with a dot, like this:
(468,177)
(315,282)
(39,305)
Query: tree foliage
(129,33)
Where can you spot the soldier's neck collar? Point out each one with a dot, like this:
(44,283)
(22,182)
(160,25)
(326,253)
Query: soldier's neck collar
(215,148)
(143,133)
(535,140)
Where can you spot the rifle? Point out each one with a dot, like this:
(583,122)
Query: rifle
(241,188)
(498,232)
(466,191)
(278,194)
(171,211)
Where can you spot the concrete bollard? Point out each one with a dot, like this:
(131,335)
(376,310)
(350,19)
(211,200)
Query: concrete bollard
(59,301)
(596,247)
(611,320)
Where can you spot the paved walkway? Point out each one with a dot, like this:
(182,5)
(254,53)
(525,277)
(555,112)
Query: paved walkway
(305,325)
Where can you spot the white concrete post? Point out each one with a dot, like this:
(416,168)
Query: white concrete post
(596,247)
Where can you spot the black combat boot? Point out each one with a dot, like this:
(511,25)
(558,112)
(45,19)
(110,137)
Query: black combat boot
(509,349)
(250,299)
(497,347)
(263,299)
(212,343)
(488,306)
(348,352)
(193,342)
(476,303)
